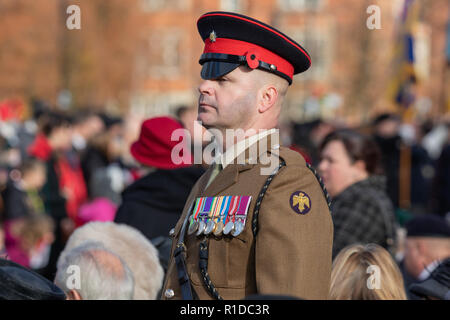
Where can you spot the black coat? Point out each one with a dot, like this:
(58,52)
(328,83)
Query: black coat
(441,194)
(15,202)
(153,204)
(408,280)
(92,159)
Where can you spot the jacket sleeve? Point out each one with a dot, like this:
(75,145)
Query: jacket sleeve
(292,250)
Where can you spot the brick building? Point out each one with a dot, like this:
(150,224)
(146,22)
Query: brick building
(351,65)
(141,55)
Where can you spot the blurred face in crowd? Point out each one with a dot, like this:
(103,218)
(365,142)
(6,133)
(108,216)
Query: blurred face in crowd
(189,120)
(421,251)
(61,138)
(388,128)
(414,259)
(228,102)
(115,146)
(320,132)
(35,178)
(338,171)
(91,127)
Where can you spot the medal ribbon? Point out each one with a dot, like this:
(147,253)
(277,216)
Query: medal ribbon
(214,208)
(206,209)
(241,213)
(198,204)
(224,209)
(219,208)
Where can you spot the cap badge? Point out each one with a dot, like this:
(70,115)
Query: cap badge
(212,36)
(300,202)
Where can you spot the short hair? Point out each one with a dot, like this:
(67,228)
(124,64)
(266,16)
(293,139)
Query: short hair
(83,115)
(358,147)
(350,274)
(101,278)
(132,246)
(31,164)
(54,120)
(34,228)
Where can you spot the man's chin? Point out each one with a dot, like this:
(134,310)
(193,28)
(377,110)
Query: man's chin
(206,120)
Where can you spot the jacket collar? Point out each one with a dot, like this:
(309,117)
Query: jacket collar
(245,161)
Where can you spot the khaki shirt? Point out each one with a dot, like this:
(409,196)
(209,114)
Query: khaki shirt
(291,253)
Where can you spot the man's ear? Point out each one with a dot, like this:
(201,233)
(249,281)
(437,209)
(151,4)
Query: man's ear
(360,165)
(74,295)
(268,95)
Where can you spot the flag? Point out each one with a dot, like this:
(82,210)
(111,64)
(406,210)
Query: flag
(401,88)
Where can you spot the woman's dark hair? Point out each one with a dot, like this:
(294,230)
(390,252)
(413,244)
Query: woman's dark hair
(358,147)
(53,120)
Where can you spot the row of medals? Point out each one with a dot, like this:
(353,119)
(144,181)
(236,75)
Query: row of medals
(200,227)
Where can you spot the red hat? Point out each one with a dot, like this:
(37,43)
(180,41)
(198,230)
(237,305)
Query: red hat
(154,146)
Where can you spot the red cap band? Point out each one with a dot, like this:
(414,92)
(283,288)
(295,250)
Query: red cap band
(253,52)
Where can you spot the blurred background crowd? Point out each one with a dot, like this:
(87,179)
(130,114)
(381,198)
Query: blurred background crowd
(85,125)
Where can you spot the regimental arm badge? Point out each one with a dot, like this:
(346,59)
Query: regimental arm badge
(300,202)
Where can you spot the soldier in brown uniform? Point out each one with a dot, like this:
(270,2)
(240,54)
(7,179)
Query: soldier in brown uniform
(258,220)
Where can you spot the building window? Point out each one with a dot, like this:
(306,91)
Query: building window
(163,53)
(158,5)
(300,5)
(318,43)
(231,5)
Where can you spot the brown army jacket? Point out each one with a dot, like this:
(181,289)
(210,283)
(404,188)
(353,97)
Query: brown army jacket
(291,253)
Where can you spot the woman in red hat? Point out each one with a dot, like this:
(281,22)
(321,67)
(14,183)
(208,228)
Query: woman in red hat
(153,203)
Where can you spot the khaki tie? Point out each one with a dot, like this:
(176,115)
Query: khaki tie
(217,168)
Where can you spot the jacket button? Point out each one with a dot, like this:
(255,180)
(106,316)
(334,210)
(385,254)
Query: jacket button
(171,232)
(169,294)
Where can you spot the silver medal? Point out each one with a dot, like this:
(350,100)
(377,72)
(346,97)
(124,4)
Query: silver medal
(193,227)
(238,228)
(228,228)
(201,228)
(209,227)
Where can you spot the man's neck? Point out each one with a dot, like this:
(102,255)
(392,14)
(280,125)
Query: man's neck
(239,144)
(228,137)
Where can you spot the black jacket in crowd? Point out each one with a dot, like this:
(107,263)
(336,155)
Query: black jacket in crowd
(154,203)
(14,202)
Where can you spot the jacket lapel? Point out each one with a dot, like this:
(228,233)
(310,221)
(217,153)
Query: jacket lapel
(223,180)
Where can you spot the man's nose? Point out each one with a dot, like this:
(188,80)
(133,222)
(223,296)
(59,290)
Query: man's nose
(206,87)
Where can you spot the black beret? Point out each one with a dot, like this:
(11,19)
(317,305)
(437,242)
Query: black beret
(428,225)
(20,283)
(233,39)
(437,285)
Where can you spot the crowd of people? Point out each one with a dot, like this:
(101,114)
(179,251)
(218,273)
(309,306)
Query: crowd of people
(71,197)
